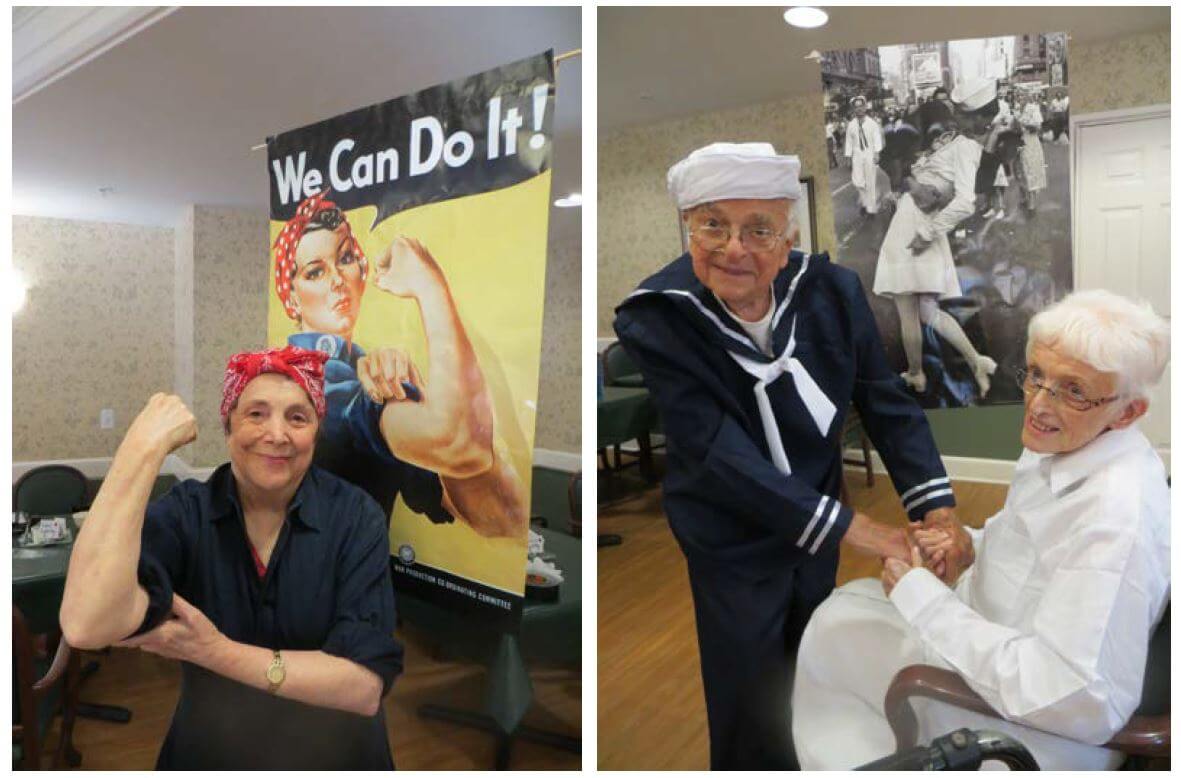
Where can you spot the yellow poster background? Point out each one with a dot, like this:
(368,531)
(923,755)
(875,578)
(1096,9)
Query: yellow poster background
(492,250)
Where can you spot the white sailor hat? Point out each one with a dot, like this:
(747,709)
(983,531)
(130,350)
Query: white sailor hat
(859,99)
(734,171)
(974,94)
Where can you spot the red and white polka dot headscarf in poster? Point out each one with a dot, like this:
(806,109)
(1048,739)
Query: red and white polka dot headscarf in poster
(303,366)
(288,240)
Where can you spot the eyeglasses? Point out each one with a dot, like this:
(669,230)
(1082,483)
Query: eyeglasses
(714,238)
(1072,396)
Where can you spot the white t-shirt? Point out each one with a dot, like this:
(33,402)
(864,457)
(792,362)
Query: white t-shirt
(759,331)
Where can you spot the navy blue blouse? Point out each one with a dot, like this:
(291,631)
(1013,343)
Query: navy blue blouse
(327,587)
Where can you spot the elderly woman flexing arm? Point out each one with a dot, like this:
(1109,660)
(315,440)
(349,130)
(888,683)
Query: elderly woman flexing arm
(269,582)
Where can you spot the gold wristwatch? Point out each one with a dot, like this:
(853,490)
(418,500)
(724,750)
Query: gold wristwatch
(276,673)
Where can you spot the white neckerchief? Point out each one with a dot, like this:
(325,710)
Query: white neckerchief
(820,408)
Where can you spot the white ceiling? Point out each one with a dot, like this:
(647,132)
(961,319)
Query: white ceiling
(168,117)
(667,62)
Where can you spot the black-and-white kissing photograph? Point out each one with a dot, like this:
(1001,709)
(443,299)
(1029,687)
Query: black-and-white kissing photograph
(949,173)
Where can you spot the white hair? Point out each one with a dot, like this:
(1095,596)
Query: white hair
(1110,333)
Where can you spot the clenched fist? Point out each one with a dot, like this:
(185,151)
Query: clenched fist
(407,269)
(163,426)
(384,374)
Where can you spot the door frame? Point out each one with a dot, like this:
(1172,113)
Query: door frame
(1096,119)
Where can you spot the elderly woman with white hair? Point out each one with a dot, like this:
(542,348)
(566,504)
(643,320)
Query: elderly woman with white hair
(1057,595)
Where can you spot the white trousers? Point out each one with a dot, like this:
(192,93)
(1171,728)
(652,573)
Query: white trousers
(865,179)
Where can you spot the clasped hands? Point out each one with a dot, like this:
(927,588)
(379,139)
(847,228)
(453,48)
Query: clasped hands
(939,543)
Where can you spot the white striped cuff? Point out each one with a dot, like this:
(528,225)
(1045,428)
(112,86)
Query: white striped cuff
(925,485)
(909,506)
(830,517)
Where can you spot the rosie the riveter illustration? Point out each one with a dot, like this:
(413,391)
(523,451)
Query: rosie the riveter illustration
(389,429)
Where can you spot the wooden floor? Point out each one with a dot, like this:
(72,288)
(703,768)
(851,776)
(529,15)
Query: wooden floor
(651,709)
(149,686)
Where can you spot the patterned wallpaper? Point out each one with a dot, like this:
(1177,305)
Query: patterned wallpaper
(637,222)
(183,312)
(1119,73)
(95,332)
(229,311)
(559,398)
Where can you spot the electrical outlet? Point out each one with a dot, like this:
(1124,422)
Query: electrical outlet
(106,419)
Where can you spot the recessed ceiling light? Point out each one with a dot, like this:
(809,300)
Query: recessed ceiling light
(805,16)
(573,200)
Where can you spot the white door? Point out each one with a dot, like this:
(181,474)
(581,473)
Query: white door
(1122,222)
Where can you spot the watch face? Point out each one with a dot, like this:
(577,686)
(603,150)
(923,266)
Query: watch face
(276,674)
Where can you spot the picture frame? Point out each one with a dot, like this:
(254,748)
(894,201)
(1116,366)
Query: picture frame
(805,212)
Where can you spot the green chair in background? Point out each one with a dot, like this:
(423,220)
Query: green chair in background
(50,490)
(618,368)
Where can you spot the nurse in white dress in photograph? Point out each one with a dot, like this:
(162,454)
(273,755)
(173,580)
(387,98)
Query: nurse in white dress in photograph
(915,266)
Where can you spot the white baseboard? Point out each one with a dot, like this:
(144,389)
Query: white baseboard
(97,467)
(557,460)
(989,471)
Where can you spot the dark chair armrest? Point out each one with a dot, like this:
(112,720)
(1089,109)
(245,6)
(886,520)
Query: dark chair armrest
(934,683)
(57,668)
(1141,736)
(1144,736)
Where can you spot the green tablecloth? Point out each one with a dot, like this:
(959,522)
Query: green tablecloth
(38,581)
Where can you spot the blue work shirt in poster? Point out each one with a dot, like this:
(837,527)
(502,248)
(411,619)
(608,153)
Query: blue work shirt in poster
(351,444)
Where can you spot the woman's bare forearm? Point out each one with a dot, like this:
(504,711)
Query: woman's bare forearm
(103,601)
(312,677)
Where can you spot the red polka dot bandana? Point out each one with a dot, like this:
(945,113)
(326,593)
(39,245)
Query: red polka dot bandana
(303,366)
(288,241)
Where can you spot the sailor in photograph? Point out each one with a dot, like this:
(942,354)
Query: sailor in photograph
(863,146)
(753,355)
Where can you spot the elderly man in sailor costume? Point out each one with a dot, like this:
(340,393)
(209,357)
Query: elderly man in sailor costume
(753,354)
